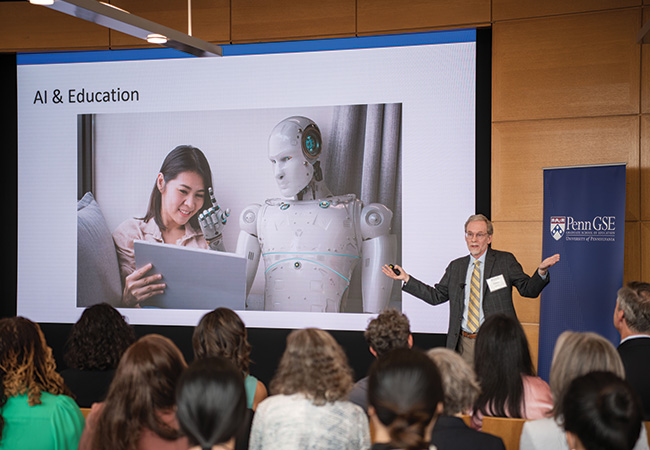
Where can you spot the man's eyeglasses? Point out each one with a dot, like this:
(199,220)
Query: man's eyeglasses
(470,235)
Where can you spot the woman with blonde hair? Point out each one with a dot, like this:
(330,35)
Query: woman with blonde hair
(36,411)
(575,354)
(222,333)
(138,413)
(308,407)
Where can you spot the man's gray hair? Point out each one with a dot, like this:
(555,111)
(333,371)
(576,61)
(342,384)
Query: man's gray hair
(480,218)
(634,301)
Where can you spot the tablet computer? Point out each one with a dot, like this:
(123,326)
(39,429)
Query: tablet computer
(195,278)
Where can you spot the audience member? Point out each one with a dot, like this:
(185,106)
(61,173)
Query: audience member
(460,389)
(632,320)
(389,330)
(575,354)
(504,368)
(404,398)
(601,412)
(36,411)
(93,350)
(139,409)
(222,333)
(211,404)
(308,406)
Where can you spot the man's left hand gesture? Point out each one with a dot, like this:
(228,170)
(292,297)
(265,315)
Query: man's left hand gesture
(548,262)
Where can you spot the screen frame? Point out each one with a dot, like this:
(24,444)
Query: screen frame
(267,343)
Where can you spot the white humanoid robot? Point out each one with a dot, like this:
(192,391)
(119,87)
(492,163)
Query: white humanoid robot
(310,240)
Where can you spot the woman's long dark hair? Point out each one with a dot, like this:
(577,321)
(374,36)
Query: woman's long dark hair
(405,388)
(222,333)
(603,411)
(183,158)
(211,402)
(98,339)
(501,359)
(144,386)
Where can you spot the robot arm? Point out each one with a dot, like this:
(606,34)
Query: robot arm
(212,222)
(247,243)
(378,248)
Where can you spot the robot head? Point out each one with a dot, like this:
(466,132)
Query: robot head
(294,147)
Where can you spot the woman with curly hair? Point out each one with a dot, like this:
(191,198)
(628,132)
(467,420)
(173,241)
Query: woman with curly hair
(93,350)
(405,397)
(138,413)
(36,411)
(222,333)
(308,406)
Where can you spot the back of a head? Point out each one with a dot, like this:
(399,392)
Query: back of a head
(144,386)
(389,330)
(501,358)
(576,354)
(98,339)
(634,300)
(210,401)
(313,364)
(26,363)
(603,411)
(222,333)
(458,380)
(405,389)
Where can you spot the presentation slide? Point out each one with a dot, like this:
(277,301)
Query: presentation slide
(396,117)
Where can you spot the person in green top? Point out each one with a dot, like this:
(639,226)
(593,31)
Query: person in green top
(36,410)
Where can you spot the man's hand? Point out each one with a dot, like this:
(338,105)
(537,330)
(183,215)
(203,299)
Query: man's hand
(548,262)
(388,271)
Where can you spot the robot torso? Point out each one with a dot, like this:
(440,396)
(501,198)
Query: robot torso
(310,249)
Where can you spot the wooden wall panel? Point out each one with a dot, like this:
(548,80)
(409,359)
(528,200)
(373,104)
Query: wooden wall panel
(26,27)
(532,334)
(645,251)
(520,150)
(521,9)
(391,15)
(210,19)
(645,167)
(645,68)
(632,252)
(267,20)
(567,66)
(524,240)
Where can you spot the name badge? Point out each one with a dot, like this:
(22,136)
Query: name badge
(496,283)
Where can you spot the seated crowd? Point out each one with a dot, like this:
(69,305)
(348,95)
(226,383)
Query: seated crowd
(145,396)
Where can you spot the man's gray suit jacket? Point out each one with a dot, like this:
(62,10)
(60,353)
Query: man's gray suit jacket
(452,288)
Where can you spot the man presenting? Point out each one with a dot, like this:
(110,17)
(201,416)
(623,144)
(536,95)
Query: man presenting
(632,320)
(476,285)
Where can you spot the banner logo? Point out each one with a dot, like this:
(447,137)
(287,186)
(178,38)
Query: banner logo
(558,225)
(590,229)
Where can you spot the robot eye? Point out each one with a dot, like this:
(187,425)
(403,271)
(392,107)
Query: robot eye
(287,158)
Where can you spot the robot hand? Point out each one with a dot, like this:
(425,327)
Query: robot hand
(212,222)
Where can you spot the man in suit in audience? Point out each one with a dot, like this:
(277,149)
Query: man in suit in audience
(493,273)
(390,329)
(632,320)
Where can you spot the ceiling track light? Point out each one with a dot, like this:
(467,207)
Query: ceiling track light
(120,20)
